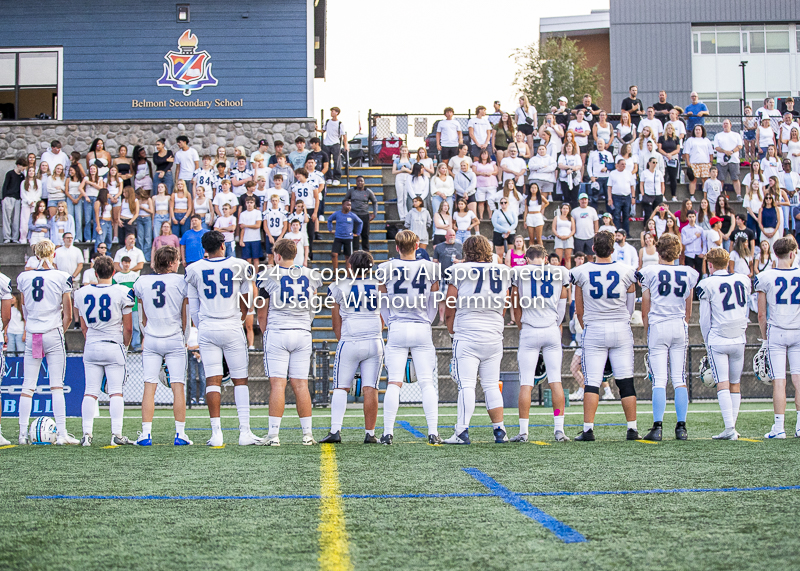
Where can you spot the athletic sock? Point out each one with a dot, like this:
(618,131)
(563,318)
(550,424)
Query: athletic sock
(216,425)
(736,401)
(180,427)
(430,404)
(371,431)
(241,395)
(523,425)
(587,426)
(726,408)
(659,403)
(498,425)
(305,424)
(466,408)
(632,425)
(116,407)
(25,406)
(60,410)
(681,403)
(338,408)
(147,428)
(87,414)
(391,404)
(779,422)
(558,423)
(274,425)
(607,392)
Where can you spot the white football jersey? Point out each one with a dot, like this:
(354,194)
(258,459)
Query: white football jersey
(275,219)
(782,288)
(358,308)
(482,290)
(727,295)
(539,293)
(605,290)
(206,179)
(162,296)
(5,291)
(304,191)
(408,290)
(670,287)
(290,291)
(102,308)
(41,292)
(217,283)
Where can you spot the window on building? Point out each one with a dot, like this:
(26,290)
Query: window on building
(757,44)
(727,42)
(777,42)
(29,83)
(708,43)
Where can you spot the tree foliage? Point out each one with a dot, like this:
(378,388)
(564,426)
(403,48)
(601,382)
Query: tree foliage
(555,67)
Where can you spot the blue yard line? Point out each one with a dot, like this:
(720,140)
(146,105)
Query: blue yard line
(664,491)
(405,425)
(561,530)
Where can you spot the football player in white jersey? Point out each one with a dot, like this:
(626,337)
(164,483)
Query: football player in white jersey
(286,322)
(779,319)
(218,312)
(358,325)
(46,297)
(539,299)
(162,298)
(5,319)
(723,321)
(667,292)
(408,308)
(604,302)
(476,300)
(107,325)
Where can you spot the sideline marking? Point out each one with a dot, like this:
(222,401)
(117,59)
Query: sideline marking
(334,549)
(749,439)
(643,441)
(539,443)
(405,425)
(561,530)
(7,446)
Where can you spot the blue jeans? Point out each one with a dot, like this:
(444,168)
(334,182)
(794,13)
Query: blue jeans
(136,338)
(158,220)
(88,217)
(76,211)
(168,180)
(15,344)
(596,195)
(106,232)
(462,235)
(196,380)
(622,211)
(182,226)
(230,249)
(144,235)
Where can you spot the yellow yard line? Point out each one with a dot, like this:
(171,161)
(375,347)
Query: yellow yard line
(334,548)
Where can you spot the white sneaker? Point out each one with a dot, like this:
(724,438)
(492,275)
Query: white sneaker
(216,439)
(335,183)
(86,440)
(577,395)
(573,343)
(780,434)
(64,439)
(4,441)
(272,441)
(674,199)
(119,440)
(249,439)
(727,434)
(308,439)
(608,395)
(23,438)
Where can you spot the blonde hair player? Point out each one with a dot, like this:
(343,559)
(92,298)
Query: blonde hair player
(46,297)
(723,321)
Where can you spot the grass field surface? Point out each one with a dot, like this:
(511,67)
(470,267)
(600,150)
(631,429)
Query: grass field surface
(610,504)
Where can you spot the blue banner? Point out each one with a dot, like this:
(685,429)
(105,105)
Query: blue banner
(13,376)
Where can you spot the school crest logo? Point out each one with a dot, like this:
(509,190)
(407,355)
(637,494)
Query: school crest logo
(189,69)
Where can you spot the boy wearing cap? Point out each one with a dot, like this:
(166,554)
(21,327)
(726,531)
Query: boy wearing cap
(263,149)
(713,237)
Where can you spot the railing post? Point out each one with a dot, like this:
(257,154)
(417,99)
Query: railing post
(369,137)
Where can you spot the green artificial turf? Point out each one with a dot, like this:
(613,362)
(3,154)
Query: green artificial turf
(706,530)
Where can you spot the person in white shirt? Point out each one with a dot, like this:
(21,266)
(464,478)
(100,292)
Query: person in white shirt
(461,156)
(587,224)
(728,144)
(785,131)
(697,153)
(600,164)
(624,252)
(300,240)
(448,136)
(621,194)
(677,125)
(768,111)
(656,127)
(263,150)
(514,167)
(332,140)
(206,176)
(134,253)
(581,130)
(187,159)
(55,156)
(226,223)
(480,132)
(69,258)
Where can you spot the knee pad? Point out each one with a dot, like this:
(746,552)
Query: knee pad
(493,398)
(213,389)
(626,388)
(591,389)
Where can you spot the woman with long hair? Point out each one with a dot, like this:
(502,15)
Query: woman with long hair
(59,224)
(669,145)
(504,223)
(442,186)
(99,157)
(39,223)
(128,213)
(533,214)
(76,195)
(523,150)
(698,153)
(464,221)
(569,167)
(502,136)
(142,169)
(650,228)
(30,193)
(542,171)
(647,253)
(486,170)
(442,222)
(793,149)
(672,227)
(125,166)
(104,220)
(513,195)
(180,208)
(753,199)
(525,116)
(765,137)
(770,220)
(564,232)
(56,188)
(626,152)
(723,210)
(765,259)
(160,206)
(222,157)
(625,131)
(651,186)
(202,206)
(683,214)
(301,214)
(515,257)
(741,260)
(704,214)
(43,174)
(552,133)
(418,219)
(401,169)
(755,173)
(165,238)
(92,184)
(163,159)
(114,184)
(144,222)
(425,161)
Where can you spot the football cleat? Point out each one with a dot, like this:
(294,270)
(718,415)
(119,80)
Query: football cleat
(23,438)
(773,433)
(370,439)
(632,434)
(247,438)
(585,436)
(4,441)
(680,431)
(144,440)
(117,440)
(387,439)
(182,440)
(435,440)
(521,437)
(308,439)
(462,438)
(272,441)
(655,433)
(727,434)
(500,436)
(332,438)
(216,440)
(561,437)
(86,440)
(64,439)
(797,433)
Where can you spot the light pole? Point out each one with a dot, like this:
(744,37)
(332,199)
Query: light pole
(742,64)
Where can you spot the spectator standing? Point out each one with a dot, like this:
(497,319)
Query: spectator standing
(723,211)
(728,144)
(225,196)
(464,221)
(785,132)
(624,252)
(502,135)
(696,112)
(16,328)
(712,188)
(241,175)
(677,125)
(633,105)
(564,231)
(418,219)
(191,242)
(552,132)
(442,221)
(793,149)
(764,258)
(300,239)
(662,107)
(12,187)
(250,221)
(542,171)
(226,223)
(697,153)
(334,139)
(770,164)
(69,258)
(348,226)
(263,150)
(40,227)
(600,165)
(454,164)
(76,195)
(669,148)
(741,261)
(622,195)
(743,231)
(447,253)
(103,220)
(562,113)
(130,250)
(221,158)
(651,186)
(580,129)
(526,119)
(321,158)
(187,161)
(92,184)
(514,168)
(124,165)
(769,111)
(465,183)
(486,172)
(127,277)
(425,161)
(692,237)
(753,199)
(55,156)
(144,222)
(504,223)
(30,193)
(494,118)
(570,167)
(602,129)
(297,158)
(442,186)
(750,125)
(180,207)
(282,168)
(448,136)
(625,132)
(401,169)
(163,159)
(533,214)
(647,253)
(201,204)
(655,124)
(360,198)
(275,225)
(165,238)
(587,224)
(770,220)
(480,134)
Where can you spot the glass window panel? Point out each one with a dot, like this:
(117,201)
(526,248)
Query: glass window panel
(703,96)
(696,42)
(712,107)
(7,104)
(38,68)
(728,42)
(775,94)
(8,69)
(34,101)
(777,27)
(777,42)
(753,28)
(729,108)
(707,44)
(727,29)
(757,45)
(744,43)
(730,95)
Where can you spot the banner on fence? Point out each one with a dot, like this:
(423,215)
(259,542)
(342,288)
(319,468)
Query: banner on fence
(13,376)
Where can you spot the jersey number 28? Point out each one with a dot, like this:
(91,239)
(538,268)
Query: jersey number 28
(104,313)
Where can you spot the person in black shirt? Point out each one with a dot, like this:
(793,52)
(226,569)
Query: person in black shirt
(321,158)
(788,107)
(590,110)
(12,185)
(562,114)
(633,105)
(743,230)
(662,108)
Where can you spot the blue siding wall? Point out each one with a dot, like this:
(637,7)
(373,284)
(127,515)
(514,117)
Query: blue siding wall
(114,53)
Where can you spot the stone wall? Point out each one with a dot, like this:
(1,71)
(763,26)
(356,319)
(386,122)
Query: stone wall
(18,138)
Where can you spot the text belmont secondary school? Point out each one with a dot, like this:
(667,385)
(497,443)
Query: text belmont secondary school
(143,103)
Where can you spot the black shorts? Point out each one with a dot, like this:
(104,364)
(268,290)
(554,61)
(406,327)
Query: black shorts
(525,129)
(447,153)
(584,246)
(470,199)
(584,150)
(340,244)
(475,150)
(498,240)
